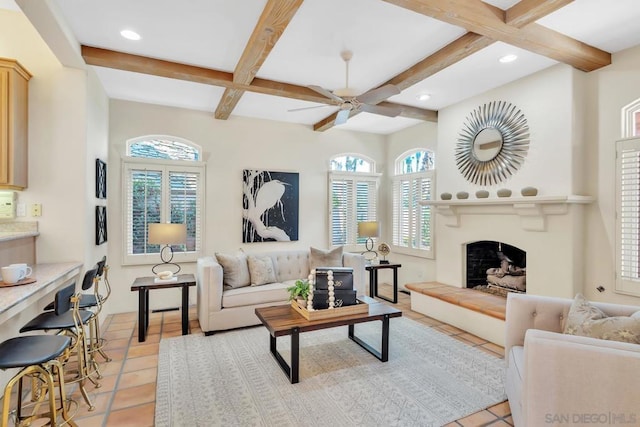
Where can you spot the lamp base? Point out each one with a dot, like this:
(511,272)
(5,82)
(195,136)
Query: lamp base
(369,255)
(166,266)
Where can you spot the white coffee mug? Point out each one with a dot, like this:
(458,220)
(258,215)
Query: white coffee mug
(27,270)
(12,274)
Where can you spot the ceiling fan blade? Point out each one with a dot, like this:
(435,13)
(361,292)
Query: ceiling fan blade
(342,117)
(382,110)
(380,94)
(328,94)
(308,108)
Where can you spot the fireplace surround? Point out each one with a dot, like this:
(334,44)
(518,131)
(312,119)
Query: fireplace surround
(550,229)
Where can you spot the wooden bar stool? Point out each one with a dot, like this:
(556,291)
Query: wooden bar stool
(37,356)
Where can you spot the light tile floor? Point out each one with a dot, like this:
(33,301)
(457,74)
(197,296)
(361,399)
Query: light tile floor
(127,393)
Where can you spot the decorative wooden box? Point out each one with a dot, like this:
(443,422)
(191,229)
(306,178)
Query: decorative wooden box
(359,308)
(342,277)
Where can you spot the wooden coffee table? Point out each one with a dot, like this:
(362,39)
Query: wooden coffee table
(283,320)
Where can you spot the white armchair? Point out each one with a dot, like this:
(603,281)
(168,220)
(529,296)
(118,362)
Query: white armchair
(558,379)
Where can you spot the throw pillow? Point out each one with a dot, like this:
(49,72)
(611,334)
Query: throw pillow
(618,328)
(234,269)
(586,320)
(581,311)
(320,258)
(261,270)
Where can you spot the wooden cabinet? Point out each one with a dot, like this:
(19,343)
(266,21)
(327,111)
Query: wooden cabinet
(14,98)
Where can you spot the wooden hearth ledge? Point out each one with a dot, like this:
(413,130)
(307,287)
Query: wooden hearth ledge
(481,302)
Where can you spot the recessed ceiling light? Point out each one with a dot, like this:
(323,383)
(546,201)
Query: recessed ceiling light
(129,34)
(423,97)
(508,58)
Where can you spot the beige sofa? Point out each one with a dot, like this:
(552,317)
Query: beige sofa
(558,379)
(221,309)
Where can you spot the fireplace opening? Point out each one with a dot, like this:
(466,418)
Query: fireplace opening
(496,267)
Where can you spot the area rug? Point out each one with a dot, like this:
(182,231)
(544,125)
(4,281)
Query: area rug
(231,379)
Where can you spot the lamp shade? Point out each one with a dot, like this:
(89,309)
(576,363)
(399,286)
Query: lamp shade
(167,234)
(368,229)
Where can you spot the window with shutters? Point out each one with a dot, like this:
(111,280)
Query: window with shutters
(413,223)
(353,192)
(628,202)
(163,179)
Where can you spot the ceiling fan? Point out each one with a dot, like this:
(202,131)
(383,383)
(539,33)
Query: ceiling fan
(347,100)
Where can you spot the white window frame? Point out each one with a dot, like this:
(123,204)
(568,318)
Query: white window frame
(414,225)
(165,166)
(629,119)
(628,217)
(352,225)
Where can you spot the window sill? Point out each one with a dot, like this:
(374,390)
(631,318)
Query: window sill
(418,253)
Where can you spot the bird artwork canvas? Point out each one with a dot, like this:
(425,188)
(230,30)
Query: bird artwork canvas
(269,206)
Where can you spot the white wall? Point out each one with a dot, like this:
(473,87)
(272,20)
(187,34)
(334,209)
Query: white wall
(67,128)
(610,89)
(230,146)
(555,257)
(545,98)
(414,268)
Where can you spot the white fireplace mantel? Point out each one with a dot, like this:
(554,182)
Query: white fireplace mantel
(532,210)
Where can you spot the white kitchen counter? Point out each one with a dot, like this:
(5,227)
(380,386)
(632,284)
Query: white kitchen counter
(49,277)
(6,236)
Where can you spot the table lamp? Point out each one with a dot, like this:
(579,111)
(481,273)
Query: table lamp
(368,229)
(167,235)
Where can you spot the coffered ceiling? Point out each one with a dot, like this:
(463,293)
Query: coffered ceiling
(255,58)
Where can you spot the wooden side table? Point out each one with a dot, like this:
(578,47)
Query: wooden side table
(373,280)
(144,284)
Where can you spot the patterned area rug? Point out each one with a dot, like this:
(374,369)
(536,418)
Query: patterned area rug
(231,379)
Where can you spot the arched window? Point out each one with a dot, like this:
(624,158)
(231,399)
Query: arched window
(413,182)
(415,161)
(631,119)
(352,163)
(353,197)
(163,179)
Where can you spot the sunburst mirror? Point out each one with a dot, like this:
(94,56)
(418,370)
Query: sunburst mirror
(493,143)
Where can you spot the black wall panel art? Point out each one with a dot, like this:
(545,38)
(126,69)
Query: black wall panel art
(101,224)
(101,179)
(269,206)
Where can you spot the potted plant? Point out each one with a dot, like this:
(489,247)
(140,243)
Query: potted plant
(299,291)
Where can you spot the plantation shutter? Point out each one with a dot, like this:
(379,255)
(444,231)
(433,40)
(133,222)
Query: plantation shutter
(144,202)
(340,202)
(423,217)
(401,213)
(628,215)
(412,221)
(366,205)
(352,199)
(159,194)
(184,206)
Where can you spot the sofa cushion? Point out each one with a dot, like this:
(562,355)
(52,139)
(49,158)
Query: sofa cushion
(235,270)
(239,297)
(586,320)
(320,258)
(261,270)
(291,265)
